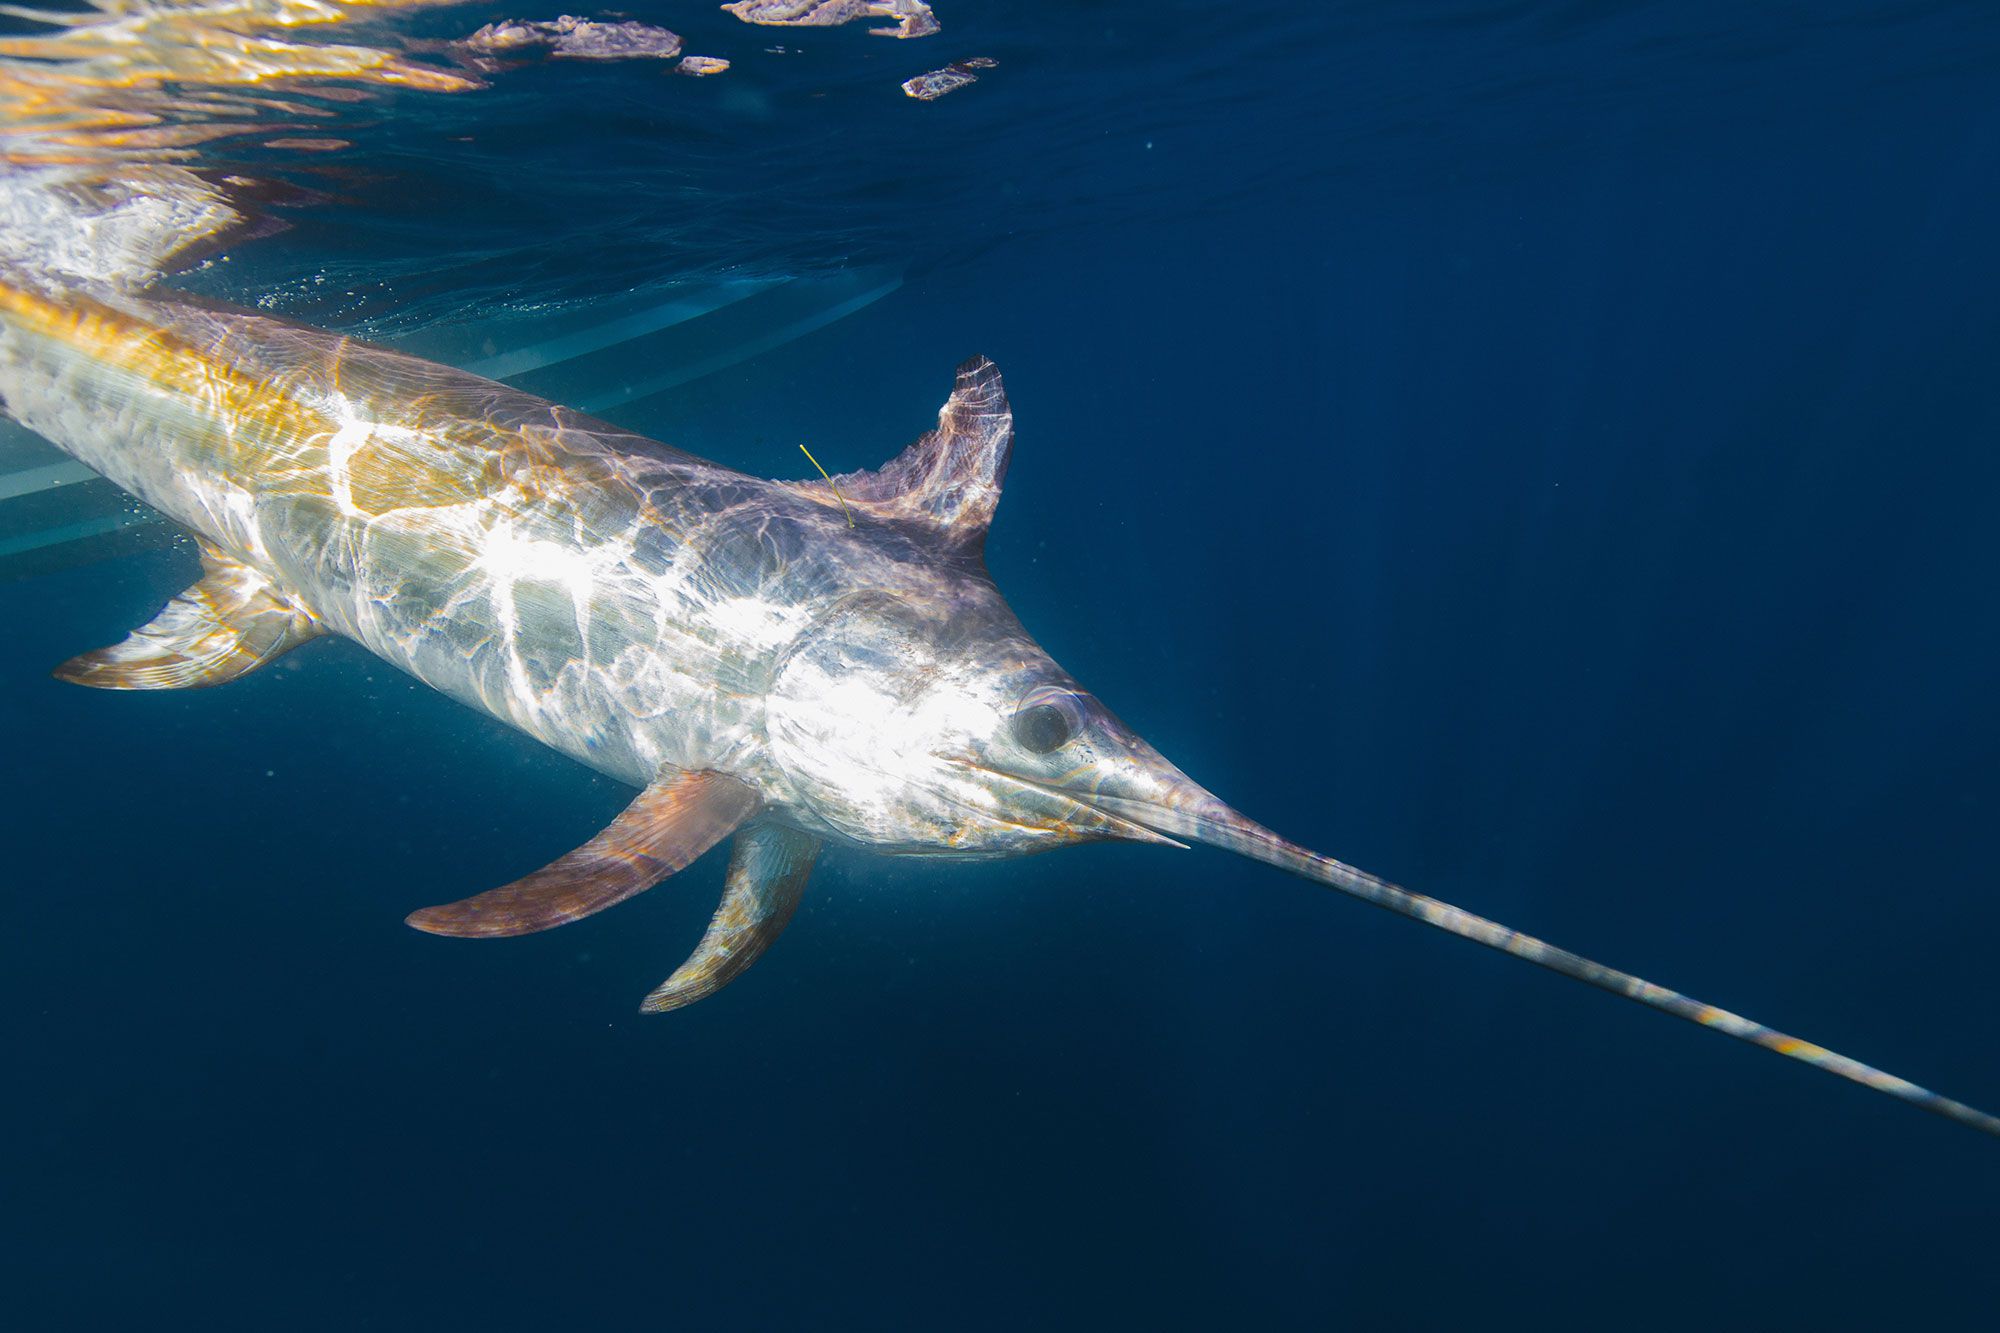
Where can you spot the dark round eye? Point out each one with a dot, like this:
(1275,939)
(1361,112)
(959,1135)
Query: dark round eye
(1042,728)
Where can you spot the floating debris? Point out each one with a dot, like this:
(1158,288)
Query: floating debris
(913,17)
(929,87)
(309,145)
(574,38)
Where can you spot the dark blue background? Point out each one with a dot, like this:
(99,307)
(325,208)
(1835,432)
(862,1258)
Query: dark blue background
(1540,453)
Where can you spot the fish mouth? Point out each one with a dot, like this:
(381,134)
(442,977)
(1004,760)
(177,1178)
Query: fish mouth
(1177,806)
(1192,813)
(1100,820)
(1186,809)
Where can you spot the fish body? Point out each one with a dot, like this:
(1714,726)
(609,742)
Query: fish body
(622,601)
(787,663)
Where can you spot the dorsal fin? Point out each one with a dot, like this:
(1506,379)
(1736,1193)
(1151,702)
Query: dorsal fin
(950,478)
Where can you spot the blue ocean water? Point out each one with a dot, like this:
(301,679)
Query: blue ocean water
(1540,453)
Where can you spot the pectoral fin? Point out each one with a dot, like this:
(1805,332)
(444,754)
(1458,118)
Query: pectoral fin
(230,622)
(768,870)
(665,828)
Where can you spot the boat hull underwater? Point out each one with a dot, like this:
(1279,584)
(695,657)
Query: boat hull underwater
(791,663)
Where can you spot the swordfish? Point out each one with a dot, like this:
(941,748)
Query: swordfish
(790,664)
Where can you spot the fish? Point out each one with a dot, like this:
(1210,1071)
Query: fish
(786,665)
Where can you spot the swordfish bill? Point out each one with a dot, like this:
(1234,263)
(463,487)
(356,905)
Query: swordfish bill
(794,663)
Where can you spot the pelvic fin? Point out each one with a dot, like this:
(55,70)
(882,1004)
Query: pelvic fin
(232,621)
(768,869)
(669,824)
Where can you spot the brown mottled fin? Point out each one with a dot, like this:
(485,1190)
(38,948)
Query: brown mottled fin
(231,622)
(665,828)
(767,872)
(949,479)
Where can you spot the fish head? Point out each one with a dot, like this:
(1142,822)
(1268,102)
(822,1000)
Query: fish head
(918,715)
(930,722)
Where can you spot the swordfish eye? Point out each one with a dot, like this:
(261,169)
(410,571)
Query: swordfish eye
(1046,720)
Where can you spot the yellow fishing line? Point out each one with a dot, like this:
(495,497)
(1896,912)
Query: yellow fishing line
(829,481)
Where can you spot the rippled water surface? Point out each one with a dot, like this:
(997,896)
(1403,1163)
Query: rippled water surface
(1542,453)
